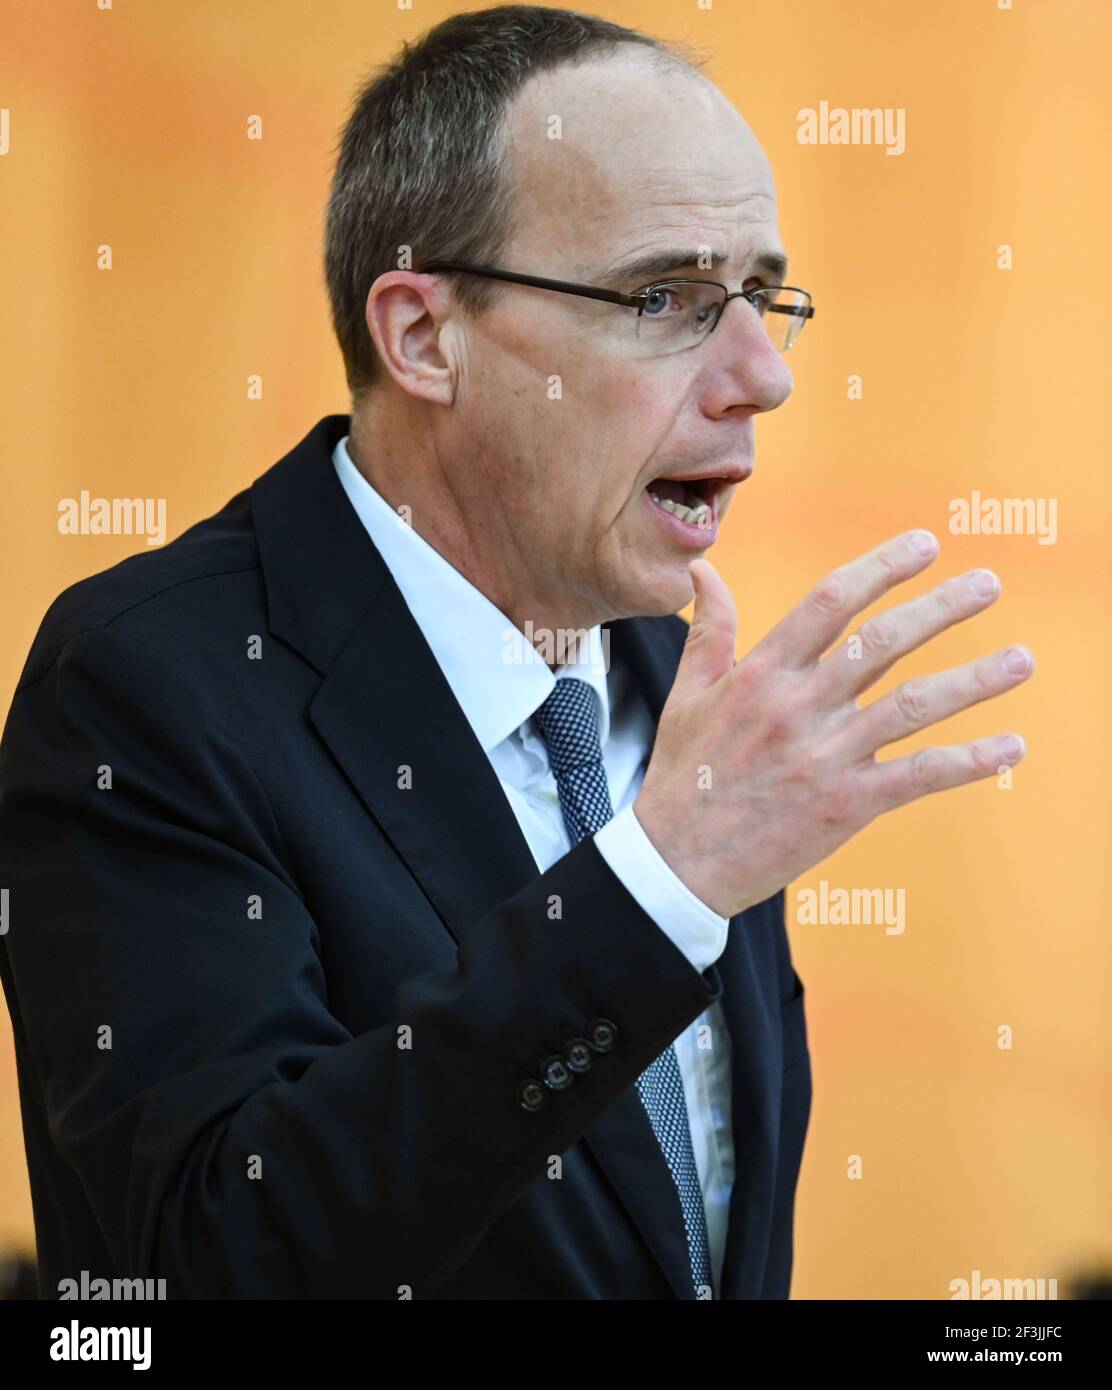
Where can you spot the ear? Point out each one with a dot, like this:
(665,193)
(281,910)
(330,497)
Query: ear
(406,315)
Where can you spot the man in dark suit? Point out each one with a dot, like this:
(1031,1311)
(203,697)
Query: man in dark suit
(396,889)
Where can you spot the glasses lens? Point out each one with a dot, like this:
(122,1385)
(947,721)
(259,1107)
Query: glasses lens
(784,312)
(678,314)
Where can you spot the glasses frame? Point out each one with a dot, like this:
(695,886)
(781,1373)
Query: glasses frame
(639,298)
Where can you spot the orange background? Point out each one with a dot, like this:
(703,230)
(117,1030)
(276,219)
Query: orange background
(127,127)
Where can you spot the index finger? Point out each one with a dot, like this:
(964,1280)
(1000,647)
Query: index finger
(805,631)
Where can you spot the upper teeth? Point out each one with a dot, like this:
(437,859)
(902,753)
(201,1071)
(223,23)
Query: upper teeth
(698,515)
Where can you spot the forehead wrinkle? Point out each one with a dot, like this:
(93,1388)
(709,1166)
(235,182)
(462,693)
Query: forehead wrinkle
(739,205)
(712,230)
(689,185)
(728,215)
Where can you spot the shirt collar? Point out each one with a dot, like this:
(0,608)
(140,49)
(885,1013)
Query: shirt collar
(495,672)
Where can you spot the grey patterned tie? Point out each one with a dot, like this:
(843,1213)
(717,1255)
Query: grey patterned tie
(569,724)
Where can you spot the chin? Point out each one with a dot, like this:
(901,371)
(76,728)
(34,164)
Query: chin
(658,595)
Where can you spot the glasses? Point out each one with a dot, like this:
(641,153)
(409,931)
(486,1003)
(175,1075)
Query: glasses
(673,315)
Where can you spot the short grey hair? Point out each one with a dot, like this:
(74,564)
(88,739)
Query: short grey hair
(423,160)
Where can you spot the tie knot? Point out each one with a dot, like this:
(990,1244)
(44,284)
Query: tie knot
(569,724)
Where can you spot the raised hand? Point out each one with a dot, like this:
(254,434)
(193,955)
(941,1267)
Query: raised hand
(763,767)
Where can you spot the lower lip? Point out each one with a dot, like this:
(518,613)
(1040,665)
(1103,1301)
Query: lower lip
(693,537)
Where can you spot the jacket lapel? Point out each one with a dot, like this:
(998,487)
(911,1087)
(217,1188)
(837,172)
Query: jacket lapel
(384,707)
(388,715)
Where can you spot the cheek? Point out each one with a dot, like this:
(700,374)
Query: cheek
(623,436)
(583,437)
(635,399)
(647,403)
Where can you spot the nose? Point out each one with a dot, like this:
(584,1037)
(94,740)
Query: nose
(748,370)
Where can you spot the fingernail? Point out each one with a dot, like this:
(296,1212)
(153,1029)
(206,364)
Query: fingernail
(1012,748)
(923,542)
(985,583)
(1016,661)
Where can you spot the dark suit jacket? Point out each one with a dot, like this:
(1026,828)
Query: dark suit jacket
(274,1013)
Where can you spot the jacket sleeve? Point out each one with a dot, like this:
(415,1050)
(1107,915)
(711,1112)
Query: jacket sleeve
(230,1134)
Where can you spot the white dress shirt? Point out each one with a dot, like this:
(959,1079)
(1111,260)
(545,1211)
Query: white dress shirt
(499,681)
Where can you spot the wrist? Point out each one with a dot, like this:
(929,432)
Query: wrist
(664,837)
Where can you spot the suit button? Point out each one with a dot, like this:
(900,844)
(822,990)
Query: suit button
(531,1095)
(556,1075)
(577,1055)
(602,1035)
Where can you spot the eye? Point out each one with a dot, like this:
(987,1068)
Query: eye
(657,301)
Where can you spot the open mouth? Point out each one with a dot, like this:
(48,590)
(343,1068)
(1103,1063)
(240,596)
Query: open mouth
(690,500)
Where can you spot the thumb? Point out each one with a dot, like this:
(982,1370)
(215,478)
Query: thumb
(708,652)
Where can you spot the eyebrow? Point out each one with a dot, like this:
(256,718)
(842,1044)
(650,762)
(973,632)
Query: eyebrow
(662,264)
